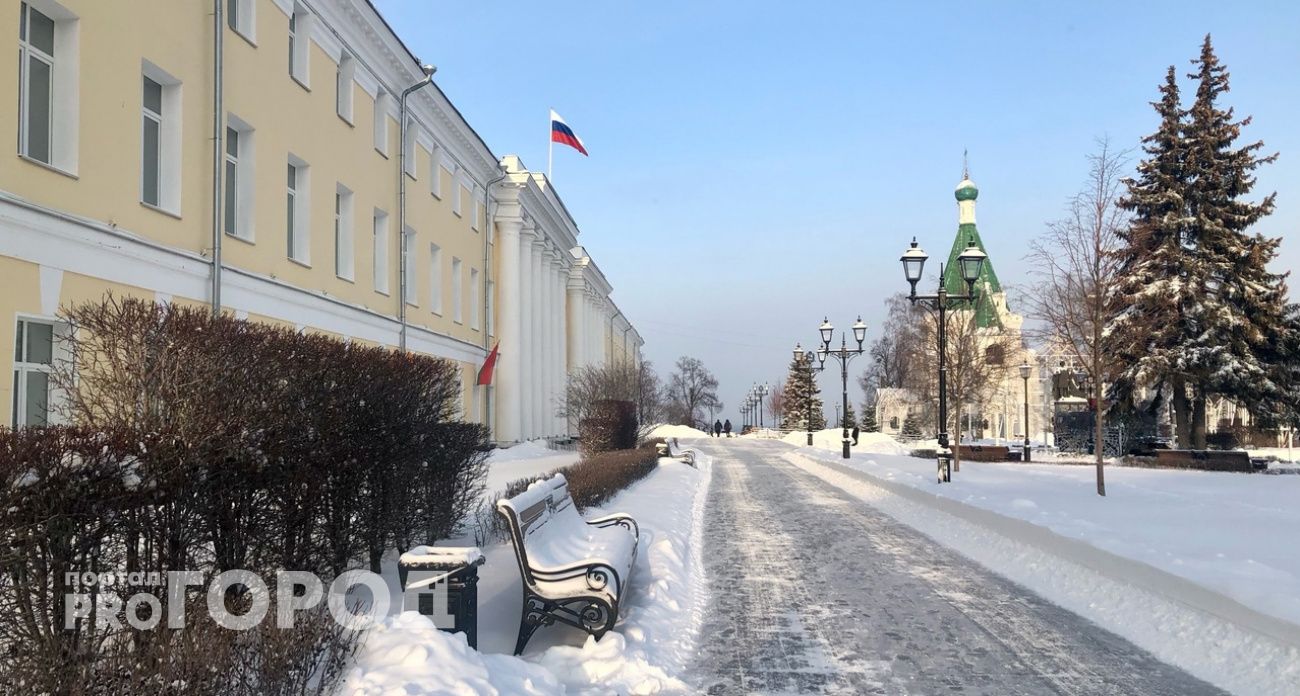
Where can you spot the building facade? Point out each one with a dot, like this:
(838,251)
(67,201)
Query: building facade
(252,156)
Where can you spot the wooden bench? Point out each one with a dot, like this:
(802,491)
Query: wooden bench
(982,453)
(574,571)
(1205,460)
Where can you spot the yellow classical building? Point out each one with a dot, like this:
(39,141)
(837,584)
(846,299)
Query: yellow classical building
(252,156)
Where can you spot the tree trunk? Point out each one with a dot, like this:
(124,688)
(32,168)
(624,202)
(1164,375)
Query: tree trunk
(1099,442)
(1198,421)
(1182,414)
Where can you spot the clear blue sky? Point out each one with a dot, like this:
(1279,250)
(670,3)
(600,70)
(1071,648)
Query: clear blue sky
(757,165)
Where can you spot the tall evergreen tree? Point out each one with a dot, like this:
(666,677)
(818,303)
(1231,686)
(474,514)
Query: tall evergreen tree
(911,430)
(1243,304)
(869,423)
(1149,298)
(797,394)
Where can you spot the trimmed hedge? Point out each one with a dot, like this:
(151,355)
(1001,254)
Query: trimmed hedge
(215,444)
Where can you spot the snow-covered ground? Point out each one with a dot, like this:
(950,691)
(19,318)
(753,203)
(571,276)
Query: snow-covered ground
(526,459)
(1228,609)
(649,646)
(676,431)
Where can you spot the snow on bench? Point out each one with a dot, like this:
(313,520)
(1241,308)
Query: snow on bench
(676,452)
(574,571)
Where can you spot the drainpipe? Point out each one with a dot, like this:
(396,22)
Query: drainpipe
(218,147)
(429,70)
(488,220)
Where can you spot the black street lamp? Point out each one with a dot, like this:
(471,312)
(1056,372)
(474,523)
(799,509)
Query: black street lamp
(1024,374)
(807,360)
(970,262)
(757,393)
(843,354)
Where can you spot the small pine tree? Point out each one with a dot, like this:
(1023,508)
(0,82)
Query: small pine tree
(796,396)
(911,431)
(869,424)
(850,418)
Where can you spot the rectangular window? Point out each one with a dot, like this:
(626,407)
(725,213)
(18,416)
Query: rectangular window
(297,207)
(408,149)
(457,291)
(33,357)
(343,245)
(343,86)
(239,16)
(411,292)
(478,212)
(474,303)
(230,186)
(300,44)
(456,190)
(36,83)
(435,172)
(381,122)
(435,279)
(379,250)
(151,142)
(238,180)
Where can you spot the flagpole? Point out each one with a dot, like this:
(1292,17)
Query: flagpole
(550,146)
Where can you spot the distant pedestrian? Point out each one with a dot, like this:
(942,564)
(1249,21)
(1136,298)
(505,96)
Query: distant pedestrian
(717,428)
(727,427)
(855,435)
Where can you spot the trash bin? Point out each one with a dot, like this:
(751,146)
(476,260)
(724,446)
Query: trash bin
(945,466)
(438,567)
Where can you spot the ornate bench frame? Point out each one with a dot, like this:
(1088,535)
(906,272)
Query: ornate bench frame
(594,611)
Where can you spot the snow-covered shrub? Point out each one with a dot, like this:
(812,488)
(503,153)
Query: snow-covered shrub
(610,425)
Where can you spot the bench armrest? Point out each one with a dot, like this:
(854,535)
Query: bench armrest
(619,519)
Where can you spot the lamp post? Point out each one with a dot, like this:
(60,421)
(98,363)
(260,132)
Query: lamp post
(1024,374)
(807,359)
(970,262)
(758,392)
(843,354)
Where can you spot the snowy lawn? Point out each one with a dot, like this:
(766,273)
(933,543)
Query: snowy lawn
(523,460)
(1230,533)
(650,645)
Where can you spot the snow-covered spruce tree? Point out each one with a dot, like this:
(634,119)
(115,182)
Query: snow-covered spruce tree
(797,393)
(869,424)
(911,430)
(1148,301)
(1241,304)
(850,419)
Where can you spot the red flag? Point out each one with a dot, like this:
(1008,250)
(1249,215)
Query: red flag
(485,372)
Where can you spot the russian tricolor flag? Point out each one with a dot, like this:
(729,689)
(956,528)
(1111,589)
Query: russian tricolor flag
(563,134)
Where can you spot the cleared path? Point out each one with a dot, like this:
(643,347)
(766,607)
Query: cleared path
(815,592)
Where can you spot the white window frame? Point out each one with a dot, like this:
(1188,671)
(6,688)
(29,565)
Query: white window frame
(382,100)
(435,279)
(457,205)
(379,252)
(300,24)
(345,88)
(23,370)
(409,259)
(298,211)
(241,17)
(169,139)
(435,172)
(457,290)
(344,243)
(243,190)
(475,322)
(408,149)
(64,92)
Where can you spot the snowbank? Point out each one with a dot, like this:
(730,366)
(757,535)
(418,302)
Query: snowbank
(677,431)
(526,459)
(653,641)
(830,439)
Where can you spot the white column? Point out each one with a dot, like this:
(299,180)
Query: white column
(538,343)
(548,334)
(508,332)
(561,342)
(577,308)
(527,303)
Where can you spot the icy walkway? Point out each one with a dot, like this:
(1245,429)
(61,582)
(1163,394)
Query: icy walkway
(814,592)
